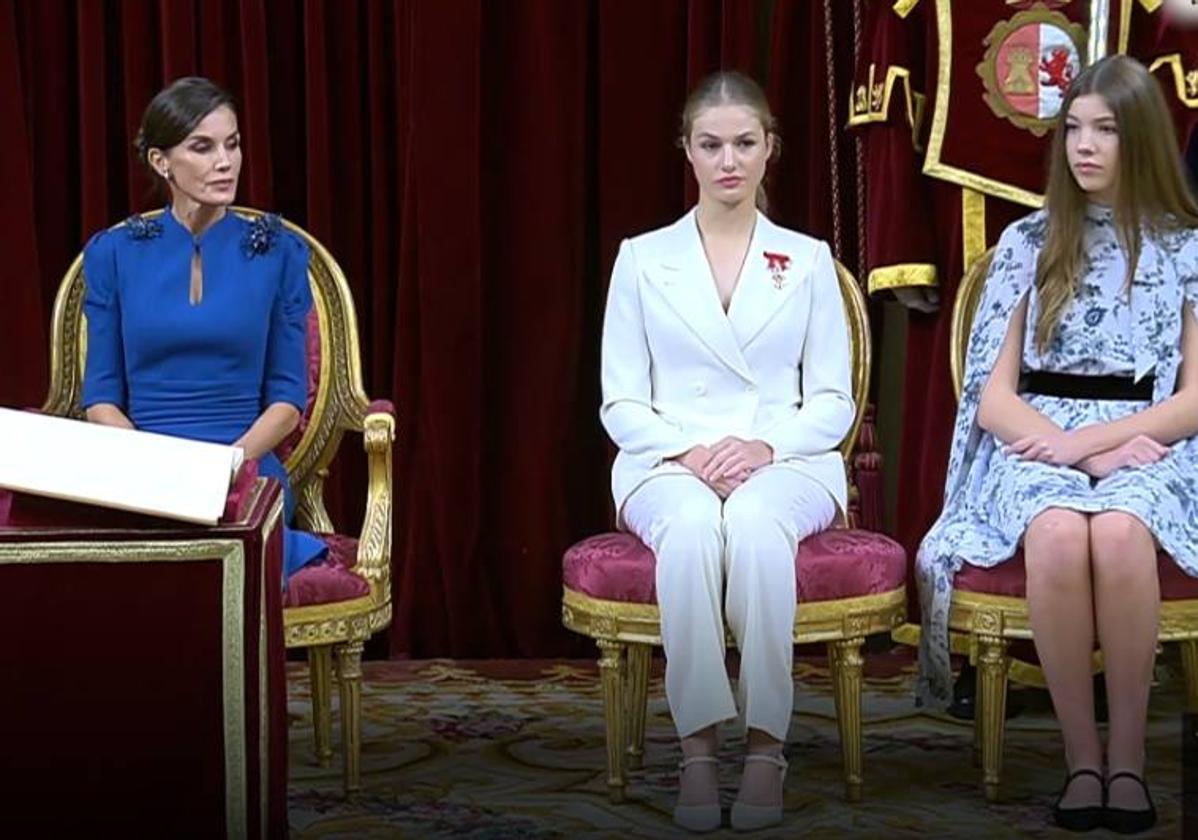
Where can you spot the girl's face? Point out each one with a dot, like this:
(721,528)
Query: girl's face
(1092,147)
(728,150)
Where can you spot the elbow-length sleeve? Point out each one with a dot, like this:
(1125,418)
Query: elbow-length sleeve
(104,371)
(285,379)
(627,411)
(1189,288)
(826,380)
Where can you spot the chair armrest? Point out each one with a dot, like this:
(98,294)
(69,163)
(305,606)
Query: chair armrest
(374,544)
(380,407)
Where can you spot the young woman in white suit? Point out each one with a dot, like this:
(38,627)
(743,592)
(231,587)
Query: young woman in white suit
(726,387)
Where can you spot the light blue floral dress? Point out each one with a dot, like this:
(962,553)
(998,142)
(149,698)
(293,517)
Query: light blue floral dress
(990,497)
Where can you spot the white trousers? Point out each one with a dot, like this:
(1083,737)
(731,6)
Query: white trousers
(740,550)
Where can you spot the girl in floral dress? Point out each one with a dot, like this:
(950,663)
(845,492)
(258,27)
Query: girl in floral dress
(1075,430)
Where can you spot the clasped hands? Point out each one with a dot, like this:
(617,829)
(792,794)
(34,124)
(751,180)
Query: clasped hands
(728,463)
(1067,449)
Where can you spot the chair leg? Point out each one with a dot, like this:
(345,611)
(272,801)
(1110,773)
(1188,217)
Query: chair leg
(612,669)
(844,659)
(977,719)
(1189,669)
(349,678)
(991,707)
(636,695)
(320,673)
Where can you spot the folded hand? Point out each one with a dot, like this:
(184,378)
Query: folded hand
(1137,452)
(698,459)
(734,457)
(1063,449)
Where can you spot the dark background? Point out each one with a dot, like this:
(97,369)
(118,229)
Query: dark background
(473,167)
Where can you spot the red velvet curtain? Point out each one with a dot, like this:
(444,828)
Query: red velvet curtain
(473,165)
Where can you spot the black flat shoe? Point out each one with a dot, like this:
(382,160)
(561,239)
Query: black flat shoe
(1080,819)
(1125,820)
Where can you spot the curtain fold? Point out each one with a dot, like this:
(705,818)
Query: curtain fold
(22,317)
(473,166)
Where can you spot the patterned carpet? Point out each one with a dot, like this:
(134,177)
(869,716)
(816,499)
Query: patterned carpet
(515,749)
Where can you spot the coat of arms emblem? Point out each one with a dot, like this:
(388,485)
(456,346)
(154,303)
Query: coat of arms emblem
(1030,61)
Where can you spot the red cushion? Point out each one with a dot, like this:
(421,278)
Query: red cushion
(1004,579)
(839,563)
(614,567)
(847,563)
(330,580)
(1010,578)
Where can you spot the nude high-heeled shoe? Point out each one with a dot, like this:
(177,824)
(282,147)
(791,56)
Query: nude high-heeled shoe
(698,818)
(753,817)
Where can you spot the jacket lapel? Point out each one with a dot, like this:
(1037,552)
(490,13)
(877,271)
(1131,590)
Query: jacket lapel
(762,291)
(683,278)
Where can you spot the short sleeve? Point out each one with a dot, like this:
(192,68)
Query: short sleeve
(286,379)
(104,372)
(1183,248)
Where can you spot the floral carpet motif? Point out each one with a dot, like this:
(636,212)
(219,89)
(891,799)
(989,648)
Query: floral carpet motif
(514,749)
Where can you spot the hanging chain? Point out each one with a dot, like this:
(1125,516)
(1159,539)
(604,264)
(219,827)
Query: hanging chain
(830,56)
(859,150)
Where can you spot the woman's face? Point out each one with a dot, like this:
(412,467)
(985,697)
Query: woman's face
(728,149)
(1092,147)
(205,166)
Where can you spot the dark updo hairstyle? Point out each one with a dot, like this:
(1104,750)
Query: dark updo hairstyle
(175,112)
(729,87)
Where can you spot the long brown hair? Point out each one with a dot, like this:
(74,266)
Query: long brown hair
(1151,191)
(728,87)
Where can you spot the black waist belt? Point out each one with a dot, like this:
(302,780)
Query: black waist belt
(1077,386)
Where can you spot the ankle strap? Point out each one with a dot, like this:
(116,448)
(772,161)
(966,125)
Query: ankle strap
(768,758)
(697,759)
(1127,774)
(1085,771)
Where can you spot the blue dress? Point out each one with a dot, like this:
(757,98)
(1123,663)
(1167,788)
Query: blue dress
(205,371)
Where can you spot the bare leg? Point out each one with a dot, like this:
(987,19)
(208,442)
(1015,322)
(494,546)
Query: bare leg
(1056,549)
(1127,605)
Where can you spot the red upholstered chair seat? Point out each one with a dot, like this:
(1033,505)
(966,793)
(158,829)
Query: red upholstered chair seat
(838,563)
(1010,578)
(331,580)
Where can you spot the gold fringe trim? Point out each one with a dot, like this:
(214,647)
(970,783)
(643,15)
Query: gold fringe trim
(1184,83)
(902,275)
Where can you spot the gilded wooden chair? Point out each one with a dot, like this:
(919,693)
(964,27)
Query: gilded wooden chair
(336,605)
(851,583)
(989,606)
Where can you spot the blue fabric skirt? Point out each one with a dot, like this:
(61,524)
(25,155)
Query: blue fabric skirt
(299,547)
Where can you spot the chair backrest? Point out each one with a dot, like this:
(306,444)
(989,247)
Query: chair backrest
(336,400)
(969,293)
(860,350)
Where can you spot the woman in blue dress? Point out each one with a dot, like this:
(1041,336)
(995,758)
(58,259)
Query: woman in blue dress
(196,318)
(1075,433)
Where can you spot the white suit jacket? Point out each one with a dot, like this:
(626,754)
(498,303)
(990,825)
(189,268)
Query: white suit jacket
(677,371)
